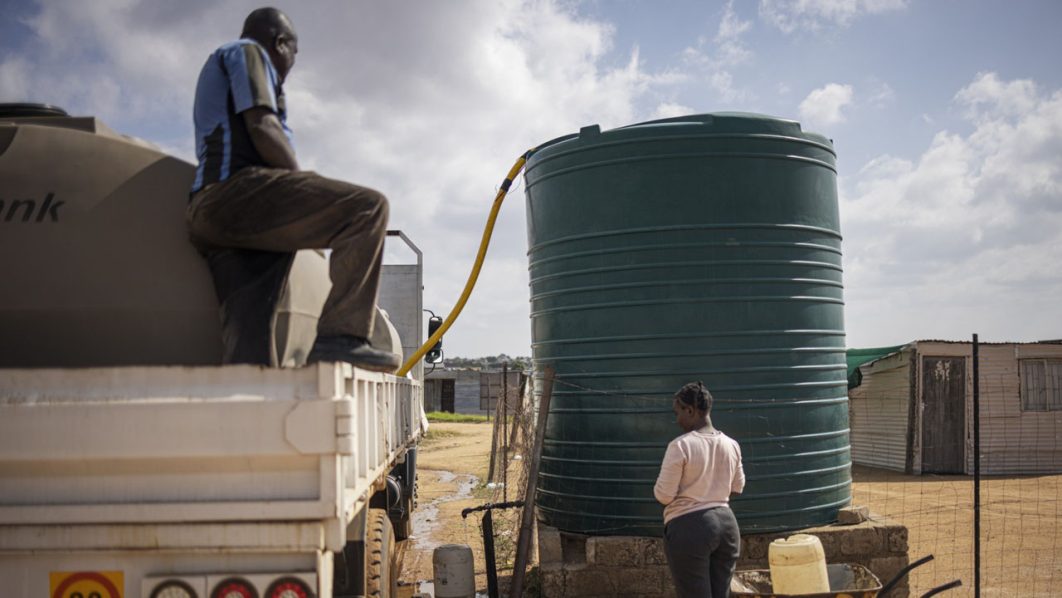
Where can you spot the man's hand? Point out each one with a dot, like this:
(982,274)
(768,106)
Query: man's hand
(269,138)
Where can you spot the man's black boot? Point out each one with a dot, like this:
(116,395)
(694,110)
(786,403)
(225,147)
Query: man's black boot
(353,350)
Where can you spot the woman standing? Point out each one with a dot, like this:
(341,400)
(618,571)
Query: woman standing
(701,469)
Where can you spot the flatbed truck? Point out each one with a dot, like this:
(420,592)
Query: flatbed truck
(133,464)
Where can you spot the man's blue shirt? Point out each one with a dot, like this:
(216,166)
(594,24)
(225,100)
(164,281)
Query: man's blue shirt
(236,77)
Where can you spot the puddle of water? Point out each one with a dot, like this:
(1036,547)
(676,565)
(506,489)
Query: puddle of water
(425,518)
(428,587)
(464,489)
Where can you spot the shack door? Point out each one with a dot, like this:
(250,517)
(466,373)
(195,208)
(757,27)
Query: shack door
(944,414)
(446,396)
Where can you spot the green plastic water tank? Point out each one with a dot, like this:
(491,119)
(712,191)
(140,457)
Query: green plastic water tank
(694,248)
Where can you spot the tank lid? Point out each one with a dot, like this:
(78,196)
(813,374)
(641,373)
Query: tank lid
(26,109)
(715,123)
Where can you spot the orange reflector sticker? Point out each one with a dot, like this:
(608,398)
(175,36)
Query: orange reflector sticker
(86,584)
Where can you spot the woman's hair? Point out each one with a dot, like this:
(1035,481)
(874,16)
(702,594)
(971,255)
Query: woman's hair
(696,395)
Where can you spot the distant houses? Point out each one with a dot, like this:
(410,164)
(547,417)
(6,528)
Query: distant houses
(911,407)
(473,391)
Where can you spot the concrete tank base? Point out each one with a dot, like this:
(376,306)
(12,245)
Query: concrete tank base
(575,565)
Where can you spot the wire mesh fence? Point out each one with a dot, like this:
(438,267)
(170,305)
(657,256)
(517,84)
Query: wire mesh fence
(912,423)
(914,445)
(513,432)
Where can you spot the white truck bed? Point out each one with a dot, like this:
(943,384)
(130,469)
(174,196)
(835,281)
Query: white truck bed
(189,470)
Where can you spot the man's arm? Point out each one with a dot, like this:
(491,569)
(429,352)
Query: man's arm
(268,137)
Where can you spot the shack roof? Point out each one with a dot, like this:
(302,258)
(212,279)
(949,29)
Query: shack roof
(858,357)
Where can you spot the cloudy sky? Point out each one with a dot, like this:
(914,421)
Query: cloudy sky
(946,115)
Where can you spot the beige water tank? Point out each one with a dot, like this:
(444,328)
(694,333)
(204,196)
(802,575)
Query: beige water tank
(98,268)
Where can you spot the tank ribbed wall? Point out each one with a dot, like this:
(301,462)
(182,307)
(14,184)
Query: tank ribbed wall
(696,248)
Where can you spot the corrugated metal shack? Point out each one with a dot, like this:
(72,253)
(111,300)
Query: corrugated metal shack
(471,391)
(911,408)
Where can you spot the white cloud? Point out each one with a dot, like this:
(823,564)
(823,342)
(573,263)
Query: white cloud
(13,76)
(731,49)
(670,109)
(717,57)
(814,15)
(988,97)
(431,106)
(823,106)
(882,96)
(971,230)
(126,62)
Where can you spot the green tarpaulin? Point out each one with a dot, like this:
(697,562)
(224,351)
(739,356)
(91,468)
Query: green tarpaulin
(857,357)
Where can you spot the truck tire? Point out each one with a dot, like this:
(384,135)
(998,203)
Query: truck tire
(381,576)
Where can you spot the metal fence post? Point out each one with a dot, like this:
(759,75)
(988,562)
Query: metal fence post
(977,466)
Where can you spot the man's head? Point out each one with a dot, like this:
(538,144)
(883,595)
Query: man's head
(274,31)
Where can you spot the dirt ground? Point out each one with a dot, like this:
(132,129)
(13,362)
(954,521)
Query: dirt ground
(1021,518)
(452,464)
(1021,529)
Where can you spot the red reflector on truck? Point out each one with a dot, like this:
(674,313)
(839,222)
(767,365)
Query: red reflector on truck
(234,587)
(289,587)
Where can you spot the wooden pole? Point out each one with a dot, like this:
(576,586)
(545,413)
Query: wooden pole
(518,413)
(505,432)
(527,519)
(493,436)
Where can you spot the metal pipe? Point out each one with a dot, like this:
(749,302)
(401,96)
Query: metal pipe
(491,506)
(884,591)
(488,554)
(941,588)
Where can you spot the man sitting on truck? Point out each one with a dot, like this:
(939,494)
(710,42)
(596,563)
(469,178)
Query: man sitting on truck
(249,192)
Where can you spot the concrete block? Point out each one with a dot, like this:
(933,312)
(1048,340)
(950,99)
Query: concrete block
(897,540)
(637,567)
(862,540)
(886,568)
(754,547)
(654,552)
(573,548)
(669,584)
(580,583)
(549,545)
(852,515)
(645,580)
(830,538)
(552,582)
(669,589)
(616,551)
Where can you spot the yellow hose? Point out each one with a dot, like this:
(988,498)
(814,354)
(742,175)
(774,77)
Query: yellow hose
(474,274)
